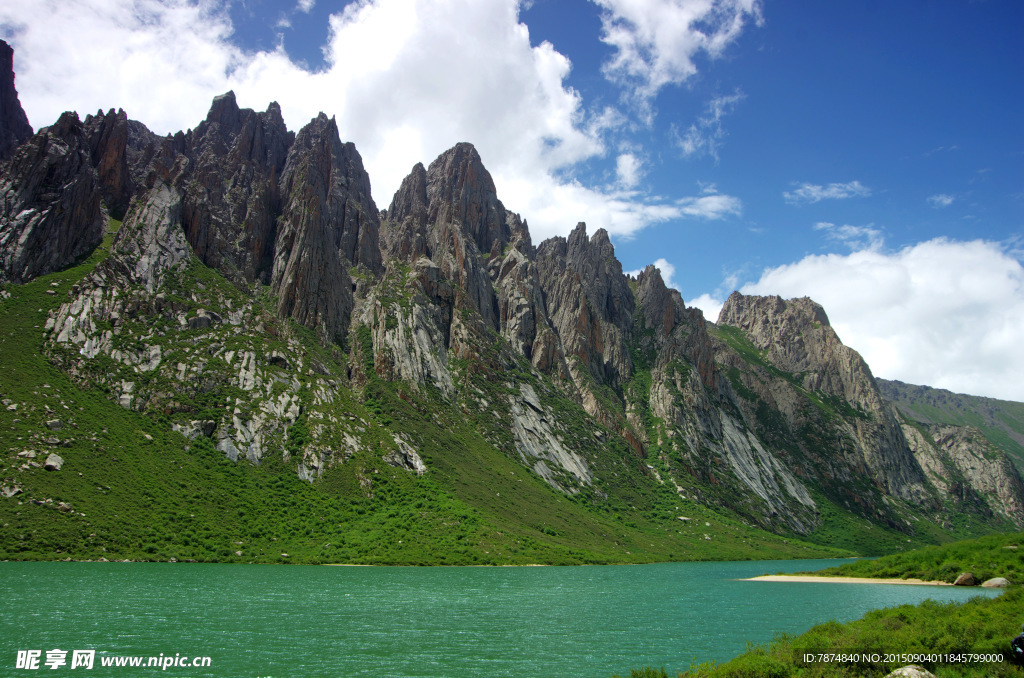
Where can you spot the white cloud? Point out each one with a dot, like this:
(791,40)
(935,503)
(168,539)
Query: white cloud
(714,206)
(855,237)
(709,304)
(656,41)
(811,193)
(406,79)
(705,136)
(628,170)
(940,200)
(942,313)
(306,6)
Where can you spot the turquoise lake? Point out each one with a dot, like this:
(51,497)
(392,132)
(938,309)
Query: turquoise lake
(289,620)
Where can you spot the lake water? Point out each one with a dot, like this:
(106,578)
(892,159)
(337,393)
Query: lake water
(284,621)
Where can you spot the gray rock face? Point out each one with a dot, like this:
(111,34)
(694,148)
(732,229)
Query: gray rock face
(14,127)
(796,337)
(329,224)
(539,446)
(49,203)
(53,462)
(996,583)
(589,302)
(963,464)
(151,240)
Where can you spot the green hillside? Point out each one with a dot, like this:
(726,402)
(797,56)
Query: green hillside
(130,488)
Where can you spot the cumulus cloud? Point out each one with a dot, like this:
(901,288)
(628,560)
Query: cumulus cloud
(306,6)
(656,41)
(940,200)
(406,79)
(942,313)
(812,193)
(705,136)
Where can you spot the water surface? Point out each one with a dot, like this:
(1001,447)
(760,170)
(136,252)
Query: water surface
(291,620)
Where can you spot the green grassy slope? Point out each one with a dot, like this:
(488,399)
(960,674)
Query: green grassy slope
(980,629)
(130,488)
(996,555)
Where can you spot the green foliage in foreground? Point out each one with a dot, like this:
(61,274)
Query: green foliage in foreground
(997,555)
(979,626)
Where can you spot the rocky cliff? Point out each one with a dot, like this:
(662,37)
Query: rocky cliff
(14,127)
(1001,421)
(50,212)
(255,300)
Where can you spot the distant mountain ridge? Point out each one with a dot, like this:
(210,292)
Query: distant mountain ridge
(1002,421)
(256,303)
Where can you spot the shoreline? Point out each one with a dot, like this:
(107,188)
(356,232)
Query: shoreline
(801,578)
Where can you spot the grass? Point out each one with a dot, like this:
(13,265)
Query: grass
(132,489)
(980,626)
(997,555)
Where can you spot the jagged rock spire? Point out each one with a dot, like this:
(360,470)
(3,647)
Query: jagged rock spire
(14,127)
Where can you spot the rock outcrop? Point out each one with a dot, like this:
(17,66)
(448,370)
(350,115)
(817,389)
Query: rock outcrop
(796,338)
(228,176)
(328,225)
(14,127)
(50,213)
(964,465)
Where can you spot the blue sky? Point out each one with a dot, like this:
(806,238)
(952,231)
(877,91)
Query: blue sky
(866,154)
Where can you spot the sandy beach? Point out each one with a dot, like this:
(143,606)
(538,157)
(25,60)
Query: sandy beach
(843,580)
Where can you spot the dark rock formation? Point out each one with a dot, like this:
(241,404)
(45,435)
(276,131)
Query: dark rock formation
(49,203)
(590,304)
(121,151)
(14,127)
(228,178)
(329,224)
(450,213)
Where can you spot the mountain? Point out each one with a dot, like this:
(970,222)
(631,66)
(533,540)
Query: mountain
(14,127)
(221,349)
(1001,421)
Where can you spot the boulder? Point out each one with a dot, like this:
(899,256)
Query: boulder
(53,462)
(911,671)
(996,583)
(966,579)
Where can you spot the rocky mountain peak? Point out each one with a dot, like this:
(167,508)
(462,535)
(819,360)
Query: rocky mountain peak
(14,127)
(224,111)
(661,305)
(460,191)
(795,336)
(796,333)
